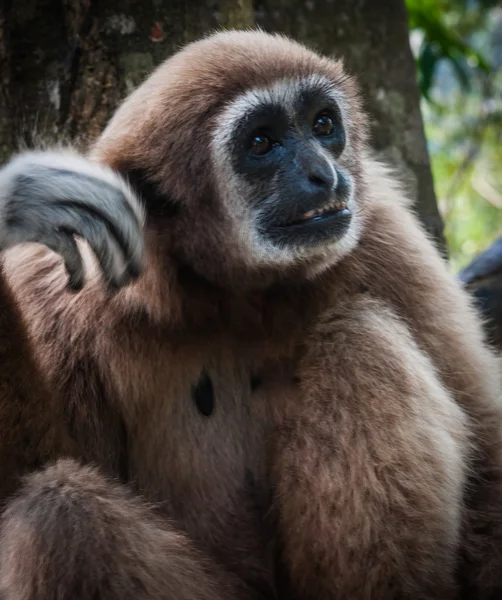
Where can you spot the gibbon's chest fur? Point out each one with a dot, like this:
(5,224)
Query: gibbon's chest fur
(201,405)
(200,445)
(208,423)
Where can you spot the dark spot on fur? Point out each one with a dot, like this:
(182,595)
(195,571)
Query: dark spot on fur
(256,381)
(203,395)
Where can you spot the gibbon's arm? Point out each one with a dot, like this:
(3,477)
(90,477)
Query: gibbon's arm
(30,430)
(368,464)
(48,197)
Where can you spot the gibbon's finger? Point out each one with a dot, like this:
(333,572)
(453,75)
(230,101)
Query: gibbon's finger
(120,221)
(111,260)
(63,243)
(35,180)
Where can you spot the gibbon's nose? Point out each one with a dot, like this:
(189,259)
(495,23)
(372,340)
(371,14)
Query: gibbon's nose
(322,175)
(317,174)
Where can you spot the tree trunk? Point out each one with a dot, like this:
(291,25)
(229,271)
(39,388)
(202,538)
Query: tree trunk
(65,65)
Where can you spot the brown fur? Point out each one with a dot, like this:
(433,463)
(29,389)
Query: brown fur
(364,461)
(115,546)
(32,433)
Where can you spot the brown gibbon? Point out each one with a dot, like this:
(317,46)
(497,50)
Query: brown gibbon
(233,364)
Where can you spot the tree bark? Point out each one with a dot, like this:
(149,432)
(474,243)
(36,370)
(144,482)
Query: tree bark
(66,64)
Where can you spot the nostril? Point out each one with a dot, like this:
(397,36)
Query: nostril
(315,180)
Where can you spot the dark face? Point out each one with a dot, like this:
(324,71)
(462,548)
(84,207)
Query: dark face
(288,157)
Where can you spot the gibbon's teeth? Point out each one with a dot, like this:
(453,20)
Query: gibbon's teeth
(334,205)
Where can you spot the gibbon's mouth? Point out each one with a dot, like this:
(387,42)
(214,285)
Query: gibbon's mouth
(335,208)
(325,224)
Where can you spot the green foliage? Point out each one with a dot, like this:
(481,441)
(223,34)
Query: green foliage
(442,40)
(459,61)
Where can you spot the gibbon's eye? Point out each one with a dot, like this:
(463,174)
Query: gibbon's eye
(260,144)
(323,125)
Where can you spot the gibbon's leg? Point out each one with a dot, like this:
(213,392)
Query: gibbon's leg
(369,469)
(70,533)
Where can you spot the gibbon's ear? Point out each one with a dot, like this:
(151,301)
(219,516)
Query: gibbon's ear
(157,204)
(49,196)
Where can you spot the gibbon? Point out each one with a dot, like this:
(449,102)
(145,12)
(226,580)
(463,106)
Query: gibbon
(236,365)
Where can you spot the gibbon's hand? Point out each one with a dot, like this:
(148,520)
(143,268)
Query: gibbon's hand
(48,197)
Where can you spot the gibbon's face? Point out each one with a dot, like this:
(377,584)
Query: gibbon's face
(280,147)
(255,145)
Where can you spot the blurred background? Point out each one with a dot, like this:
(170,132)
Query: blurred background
(430,71)
(458,48)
